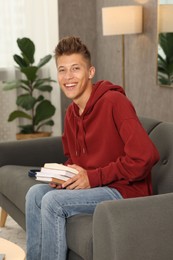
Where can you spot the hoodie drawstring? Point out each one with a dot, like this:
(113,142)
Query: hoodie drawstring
(80,142)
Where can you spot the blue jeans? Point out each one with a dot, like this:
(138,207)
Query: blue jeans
(46,212)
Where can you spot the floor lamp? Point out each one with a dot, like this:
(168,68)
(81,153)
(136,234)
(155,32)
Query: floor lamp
(121,20)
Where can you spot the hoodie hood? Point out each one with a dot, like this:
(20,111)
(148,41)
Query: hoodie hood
(99,89)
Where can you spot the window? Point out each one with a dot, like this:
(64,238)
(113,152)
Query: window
(12,25)
(36,19)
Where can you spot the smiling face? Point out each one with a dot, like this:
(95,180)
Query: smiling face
(74,77)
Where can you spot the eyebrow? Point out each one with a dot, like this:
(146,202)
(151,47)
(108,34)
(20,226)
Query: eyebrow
(59,67)
(75,64)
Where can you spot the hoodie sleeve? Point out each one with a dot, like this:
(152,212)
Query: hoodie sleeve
(139,155)
(66,151)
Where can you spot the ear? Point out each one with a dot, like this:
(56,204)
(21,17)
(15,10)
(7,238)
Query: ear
(91,72)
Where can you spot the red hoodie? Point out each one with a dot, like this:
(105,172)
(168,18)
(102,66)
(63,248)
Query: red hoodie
(109,142)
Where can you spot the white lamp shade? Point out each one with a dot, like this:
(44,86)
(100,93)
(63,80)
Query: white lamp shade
(121,20)
(166,18)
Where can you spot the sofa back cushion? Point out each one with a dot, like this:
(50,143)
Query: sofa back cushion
(162,172)
(148,123)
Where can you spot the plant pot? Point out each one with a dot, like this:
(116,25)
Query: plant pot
(33,135)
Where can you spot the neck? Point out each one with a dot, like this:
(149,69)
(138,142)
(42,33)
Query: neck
(82,101)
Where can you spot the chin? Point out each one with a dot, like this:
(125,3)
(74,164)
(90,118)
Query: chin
(70,96)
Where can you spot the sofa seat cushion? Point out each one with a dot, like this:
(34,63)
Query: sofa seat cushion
(79,235)
(14,184)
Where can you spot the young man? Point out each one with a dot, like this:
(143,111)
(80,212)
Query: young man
(103,139)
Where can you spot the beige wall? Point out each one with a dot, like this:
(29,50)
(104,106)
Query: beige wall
(84,18)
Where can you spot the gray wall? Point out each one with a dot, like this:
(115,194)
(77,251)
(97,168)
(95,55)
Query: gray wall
(83,18)
(78,17)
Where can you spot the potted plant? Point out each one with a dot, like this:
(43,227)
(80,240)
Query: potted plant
(165,59)
(33,106)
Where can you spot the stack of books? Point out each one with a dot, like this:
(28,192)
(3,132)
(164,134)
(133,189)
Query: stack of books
(54,172)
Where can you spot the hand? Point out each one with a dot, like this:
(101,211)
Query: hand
(79,181)
(55,185)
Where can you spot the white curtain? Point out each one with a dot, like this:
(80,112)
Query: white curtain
(36,19)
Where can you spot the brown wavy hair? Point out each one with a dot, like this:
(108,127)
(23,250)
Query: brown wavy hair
(72,45)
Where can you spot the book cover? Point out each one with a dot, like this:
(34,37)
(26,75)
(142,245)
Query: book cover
(53,175)
(49,179)
(55,172)
(58,166)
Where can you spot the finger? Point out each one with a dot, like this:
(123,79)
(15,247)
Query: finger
(55,185)
(75,166)
(69,182)
(74,185)
(58,186)
(52,184)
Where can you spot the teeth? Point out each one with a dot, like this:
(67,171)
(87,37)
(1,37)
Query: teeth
(70,85)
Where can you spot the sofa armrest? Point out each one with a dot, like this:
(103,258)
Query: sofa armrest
(33,152)
(140,228)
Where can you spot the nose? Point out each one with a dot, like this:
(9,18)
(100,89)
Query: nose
(69,74)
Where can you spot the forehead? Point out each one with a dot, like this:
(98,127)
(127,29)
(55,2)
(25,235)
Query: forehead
(69,60)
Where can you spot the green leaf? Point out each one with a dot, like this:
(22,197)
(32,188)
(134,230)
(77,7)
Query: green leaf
(166,42)
(163,80)
(44,60)
(44,111)
(20,61)
(18,113)
(26,101)
(165,64)
(11,85)
(27,85)
(162,66)
(26,82)
(161,59)
(26,129)
(26,88)
(30,73)
(39,82)
(40,98)
(49,122)
(47,88)
(170,68)
(48,80)
(28,49)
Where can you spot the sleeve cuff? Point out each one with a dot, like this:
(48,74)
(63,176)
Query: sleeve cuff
(94,178)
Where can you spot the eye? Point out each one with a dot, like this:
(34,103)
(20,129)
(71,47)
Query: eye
(61,70)
(76,68)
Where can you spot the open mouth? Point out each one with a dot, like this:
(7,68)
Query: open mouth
(70,86)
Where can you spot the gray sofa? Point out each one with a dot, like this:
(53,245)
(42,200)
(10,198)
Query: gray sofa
(138,229)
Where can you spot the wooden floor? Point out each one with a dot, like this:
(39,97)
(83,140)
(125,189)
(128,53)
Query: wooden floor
(13,232)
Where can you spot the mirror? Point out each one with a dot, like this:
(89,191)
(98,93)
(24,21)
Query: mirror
(165,46)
